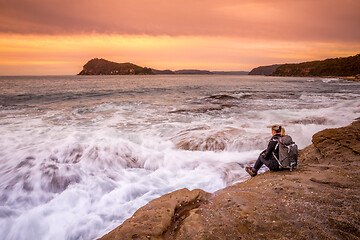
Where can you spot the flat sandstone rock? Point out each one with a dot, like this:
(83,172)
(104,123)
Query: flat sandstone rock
(319,200)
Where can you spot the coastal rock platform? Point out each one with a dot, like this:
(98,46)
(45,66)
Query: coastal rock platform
(318,200)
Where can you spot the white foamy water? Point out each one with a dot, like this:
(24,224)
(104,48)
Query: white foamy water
(79,155)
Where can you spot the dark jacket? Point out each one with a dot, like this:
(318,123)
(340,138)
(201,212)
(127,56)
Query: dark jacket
(271,148)
(267,156)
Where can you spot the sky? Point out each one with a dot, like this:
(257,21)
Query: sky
(53,37)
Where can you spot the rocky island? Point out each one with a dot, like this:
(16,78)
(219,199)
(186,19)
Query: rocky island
(99,66)
(319,200)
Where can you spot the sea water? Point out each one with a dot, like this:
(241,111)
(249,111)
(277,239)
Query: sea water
(80,154)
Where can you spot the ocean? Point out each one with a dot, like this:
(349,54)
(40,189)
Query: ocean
(80,154)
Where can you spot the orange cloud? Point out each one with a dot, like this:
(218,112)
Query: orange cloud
(34,54)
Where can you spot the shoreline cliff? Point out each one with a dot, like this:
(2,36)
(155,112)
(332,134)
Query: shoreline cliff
(336,67)
(319,200)
(345,67)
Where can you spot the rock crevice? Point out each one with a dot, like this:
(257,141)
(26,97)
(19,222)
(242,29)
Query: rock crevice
(180,214)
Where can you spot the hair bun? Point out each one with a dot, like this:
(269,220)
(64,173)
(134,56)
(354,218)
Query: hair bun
(276,128)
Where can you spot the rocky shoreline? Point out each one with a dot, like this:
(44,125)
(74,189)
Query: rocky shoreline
(319,200)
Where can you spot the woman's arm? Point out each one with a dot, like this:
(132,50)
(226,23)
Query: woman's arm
(270,148)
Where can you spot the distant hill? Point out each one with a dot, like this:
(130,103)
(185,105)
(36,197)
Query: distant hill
(230,72)
(346,66)
(162,71)
(195,71)
(99,66)
(192,71)
(264,70)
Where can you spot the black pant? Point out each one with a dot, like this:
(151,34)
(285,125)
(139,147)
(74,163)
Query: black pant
(272,164)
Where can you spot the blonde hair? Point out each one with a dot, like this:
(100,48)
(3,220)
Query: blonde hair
(278,129)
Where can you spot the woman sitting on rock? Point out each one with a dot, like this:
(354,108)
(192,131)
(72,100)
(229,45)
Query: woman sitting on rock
(267,156)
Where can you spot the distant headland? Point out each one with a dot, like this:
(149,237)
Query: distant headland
(264,70)
(334,67)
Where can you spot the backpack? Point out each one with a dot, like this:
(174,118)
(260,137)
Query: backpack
(288,153)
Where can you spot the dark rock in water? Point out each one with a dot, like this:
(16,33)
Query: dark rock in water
(222,97)
(319,200)
(206,140)
(101,66)
(314,120)
(264,70)
(204,109)
(211,103)
(214,140)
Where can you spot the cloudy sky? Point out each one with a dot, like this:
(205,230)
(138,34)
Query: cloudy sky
(58,37)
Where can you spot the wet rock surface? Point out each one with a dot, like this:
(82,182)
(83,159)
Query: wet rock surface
(319,200)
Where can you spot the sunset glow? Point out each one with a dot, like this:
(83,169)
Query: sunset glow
(37,37)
